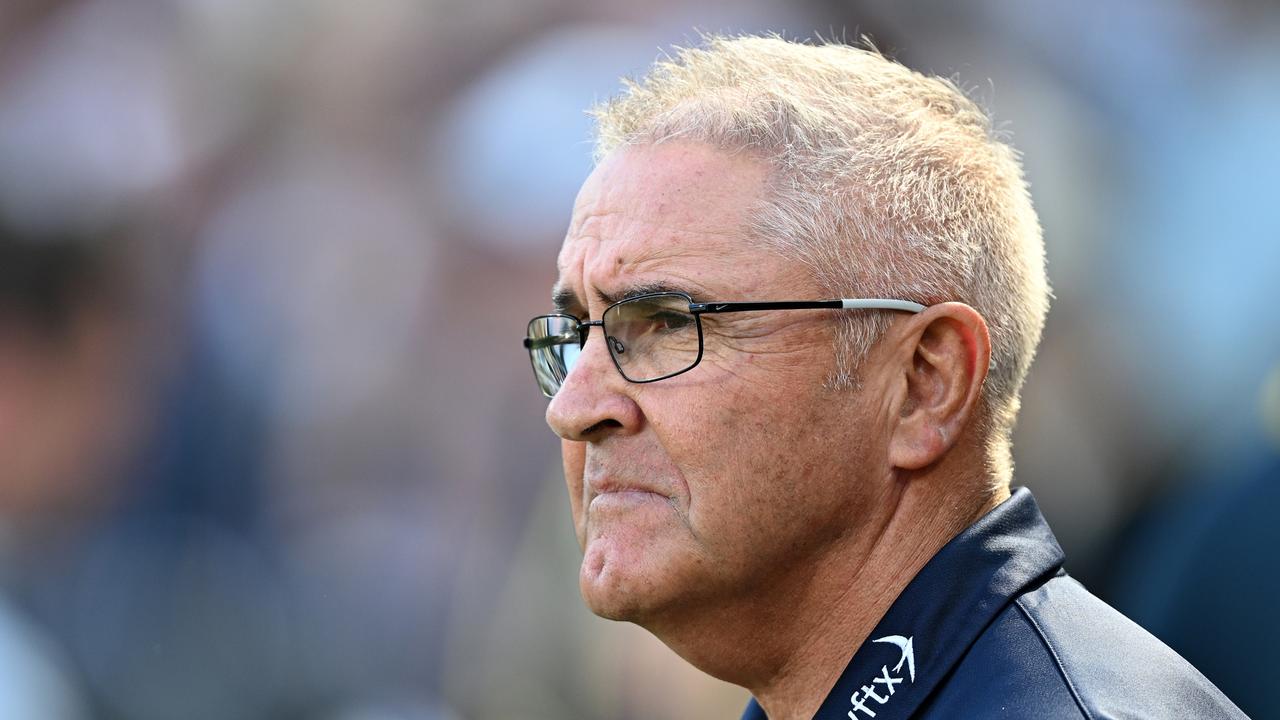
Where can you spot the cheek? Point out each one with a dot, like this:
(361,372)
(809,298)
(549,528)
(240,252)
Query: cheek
(770,477)
(720,443)
(573,454)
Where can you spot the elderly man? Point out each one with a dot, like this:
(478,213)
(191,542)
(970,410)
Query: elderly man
(810,497)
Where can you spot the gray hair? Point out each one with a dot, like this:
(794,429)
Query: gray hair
(884,182)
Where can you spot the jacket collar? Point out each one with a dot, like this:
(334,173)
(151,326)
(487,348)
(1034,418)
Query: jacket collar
(941,612)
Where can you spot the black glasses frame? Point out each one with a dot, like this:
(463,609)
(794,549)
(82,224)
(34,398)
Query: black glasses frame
(697,310)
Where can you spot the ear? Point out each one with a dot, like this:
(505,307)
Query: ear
(943,362)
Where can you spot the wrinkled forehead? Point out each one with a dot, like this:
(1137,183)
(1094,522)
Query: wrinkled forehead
(676,211)
(692,185)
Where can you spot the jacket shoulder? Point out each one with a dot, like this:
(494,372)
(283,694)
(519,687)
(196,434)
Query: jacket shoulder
(1113,667)
(1006,673)
(1059,652)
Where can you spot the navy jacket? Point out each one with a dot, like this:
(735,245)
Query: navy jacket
(993,627)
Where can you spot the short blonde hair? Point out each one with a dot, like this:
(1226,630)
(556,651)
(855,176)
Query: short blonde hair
(885,183)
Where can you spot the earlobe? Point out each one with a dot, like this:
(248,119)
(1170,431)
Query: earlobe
(917,447)
(949,351)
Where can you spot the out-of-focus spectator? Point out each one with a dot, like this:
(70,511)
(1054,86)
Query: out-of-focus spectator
(68,408)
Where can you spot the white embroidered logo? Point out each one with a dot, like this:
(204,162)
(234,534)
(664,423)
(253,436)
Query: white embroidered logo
(886,681)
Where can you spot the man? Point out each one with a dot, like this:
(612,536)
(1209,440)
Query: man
(773,484)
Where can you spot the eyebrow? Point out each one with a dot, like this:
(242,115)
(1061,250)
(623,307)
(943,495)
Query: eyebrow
(565,299)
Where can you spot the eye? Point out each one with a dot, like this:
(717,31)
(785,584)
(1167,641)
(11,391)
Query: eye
(671,321)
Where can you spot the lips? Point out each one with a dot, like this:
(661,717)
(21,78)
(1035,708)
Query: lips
(627,500)
(610,494)
(610,486)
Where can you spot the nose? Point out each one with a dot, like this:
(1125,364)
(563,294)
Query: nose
(594,401)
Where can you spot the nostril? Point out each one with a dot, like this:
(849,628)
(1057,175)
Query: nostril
(607,423)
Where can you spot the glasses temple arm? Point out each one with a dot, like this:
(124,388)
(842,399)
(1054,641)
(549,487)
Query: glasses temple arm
(843,304)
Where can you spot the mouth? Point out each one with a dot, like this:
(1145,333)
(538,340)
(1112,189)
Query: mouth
(630,496)
(608,494)
(627,509)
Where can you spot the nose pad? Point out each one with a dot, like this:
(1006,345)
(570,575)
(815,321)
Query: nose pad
(618,347)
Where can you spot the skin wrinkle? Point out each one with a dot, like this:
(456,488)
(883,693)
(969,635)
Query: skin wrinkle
(731,328)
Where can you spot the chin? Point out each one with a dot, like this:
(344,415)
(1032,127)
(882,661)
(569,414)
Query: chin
(630,582)
(611,607)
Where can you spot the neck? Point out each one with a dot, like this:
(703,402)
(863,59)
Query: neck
(789,643)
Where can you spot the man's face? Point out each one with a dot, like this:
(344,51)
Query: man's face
(714,486)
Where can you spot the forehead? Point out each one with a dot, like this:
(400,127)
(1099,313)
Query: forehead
(673,213)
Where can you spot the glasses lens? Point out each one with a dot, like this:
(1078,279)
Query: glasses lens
(554,345)
(653,337)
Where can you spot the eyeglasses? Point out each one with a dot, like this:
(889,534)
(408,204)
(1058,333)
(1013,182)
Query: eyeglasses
(653,336)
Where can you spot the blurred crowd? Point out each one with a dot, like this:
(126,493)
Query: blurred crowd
(270,447)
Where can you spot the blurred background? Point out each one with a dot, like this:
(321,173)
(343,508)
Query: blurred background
(270,447)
